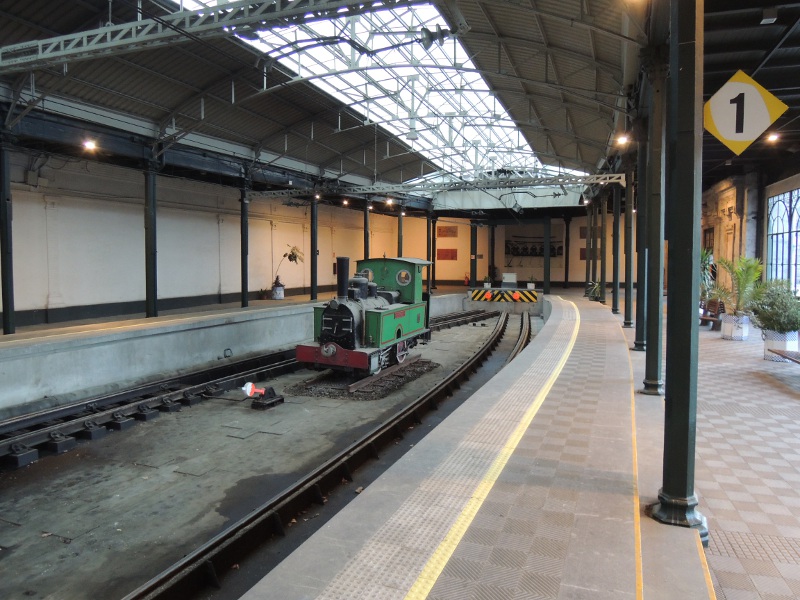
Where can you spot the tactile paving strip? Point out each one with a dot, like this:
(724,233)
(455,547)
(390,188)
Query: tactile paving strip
(760,547)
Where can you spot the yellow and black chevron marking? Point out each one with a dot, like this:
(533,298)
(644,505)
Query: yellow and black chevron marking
(495,295)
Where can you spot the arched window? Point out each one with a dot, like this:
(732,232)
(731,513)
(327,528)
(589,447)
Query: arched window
(783,237)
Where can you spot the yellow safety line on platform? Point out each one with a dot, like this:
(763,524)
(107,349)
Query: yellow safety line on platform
(436,563)
(712,595)
(637,523)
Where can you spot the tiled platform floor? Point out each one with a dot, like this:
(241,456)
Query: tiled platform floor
(747,473)
(748,468)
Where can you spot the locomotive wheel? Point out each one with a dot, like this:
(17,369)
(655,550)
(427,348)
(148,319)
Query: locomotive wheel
(400,352)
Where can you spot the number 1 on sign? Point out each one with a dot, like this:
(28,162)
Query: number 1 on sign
(739,102)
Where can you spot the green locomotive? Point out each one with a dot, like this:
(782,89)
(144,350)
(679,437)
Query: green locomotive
(376,318)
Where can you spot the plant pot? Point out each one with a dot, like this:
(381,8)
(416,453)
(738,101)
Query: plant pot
(277,292)
(487,285)
(735,327)
(531,286)
(778,341)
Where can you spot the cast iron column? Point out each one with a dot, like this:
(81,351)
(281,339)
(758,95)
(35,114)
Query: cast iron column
(314,262)
(567,221)
(433,255)
(6,255)
(366,228)
(547,258)
(244,240)
(653,384)
(628,321)
(400,233)
(428,253)
(593,236)
(588,250)
(492,241)
(603,252)
(473,253)
(641,237)
(150,247)
(677,498)
(615,250)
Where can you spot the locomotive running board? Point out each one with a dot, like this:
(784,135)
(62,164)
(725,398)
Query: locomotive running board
(388,371)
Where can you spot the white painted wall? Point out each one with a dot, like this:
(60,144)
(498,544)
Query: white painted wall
(78,234)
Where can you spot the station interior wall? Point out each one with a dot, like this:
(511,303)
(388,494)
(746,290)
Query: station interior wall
(79,238)
(730,212)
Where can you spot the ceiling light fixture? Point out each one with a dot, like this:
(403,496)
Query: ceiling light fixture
(772,137)
(769,16)
(90,145)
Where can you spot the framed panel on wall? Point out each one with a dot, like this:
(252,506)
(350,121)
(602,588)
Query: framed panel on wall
(447,231)
(447,254)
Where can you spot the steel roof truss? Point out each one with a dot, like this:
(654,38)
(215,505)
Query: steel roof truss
(218,21)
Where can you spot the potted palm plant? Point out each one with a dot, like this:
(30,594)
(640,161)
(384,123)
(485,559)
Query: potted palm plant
(294,255)
(706,275)
(777,313)
(739,297)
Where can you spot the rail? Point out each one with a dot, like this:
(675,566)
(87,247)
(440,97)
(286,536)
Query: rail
(56,429)
(201,568)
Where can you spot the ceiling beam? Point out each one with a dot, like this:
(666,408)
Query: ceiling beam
(452,186)
(226,20)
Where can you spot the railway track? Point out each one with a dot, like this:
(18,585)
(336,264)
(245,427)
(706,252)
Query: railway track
(206,566)
(26,438)
(58,430)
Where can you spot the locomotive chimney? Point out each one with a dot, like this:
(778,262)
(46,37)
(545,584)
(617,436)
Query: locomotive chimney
(342,276)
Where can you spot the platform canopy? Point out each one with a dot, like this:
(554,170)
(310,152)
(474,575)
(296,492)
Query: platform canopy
(311,94)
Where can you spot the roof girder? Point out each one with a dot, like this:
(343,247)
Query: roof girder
(433,187)
(170,29)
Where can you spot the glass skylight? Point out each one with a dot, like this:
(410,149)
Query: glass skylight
(431,98)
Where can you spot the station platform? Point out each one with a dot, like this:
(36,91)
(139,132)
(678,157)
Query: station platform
(490,506)
(530,489)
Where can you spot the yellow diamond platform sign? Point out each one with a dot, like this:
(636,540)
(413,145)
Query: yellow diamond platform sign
(740,111)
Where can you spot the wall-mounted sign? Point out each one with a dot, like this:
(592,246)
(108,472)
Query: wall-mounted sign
(740,111)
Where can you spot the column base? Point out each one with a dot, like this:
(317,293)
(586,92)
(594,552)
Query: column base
(627,324)
(681,512)
(652,388)
(639,346)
